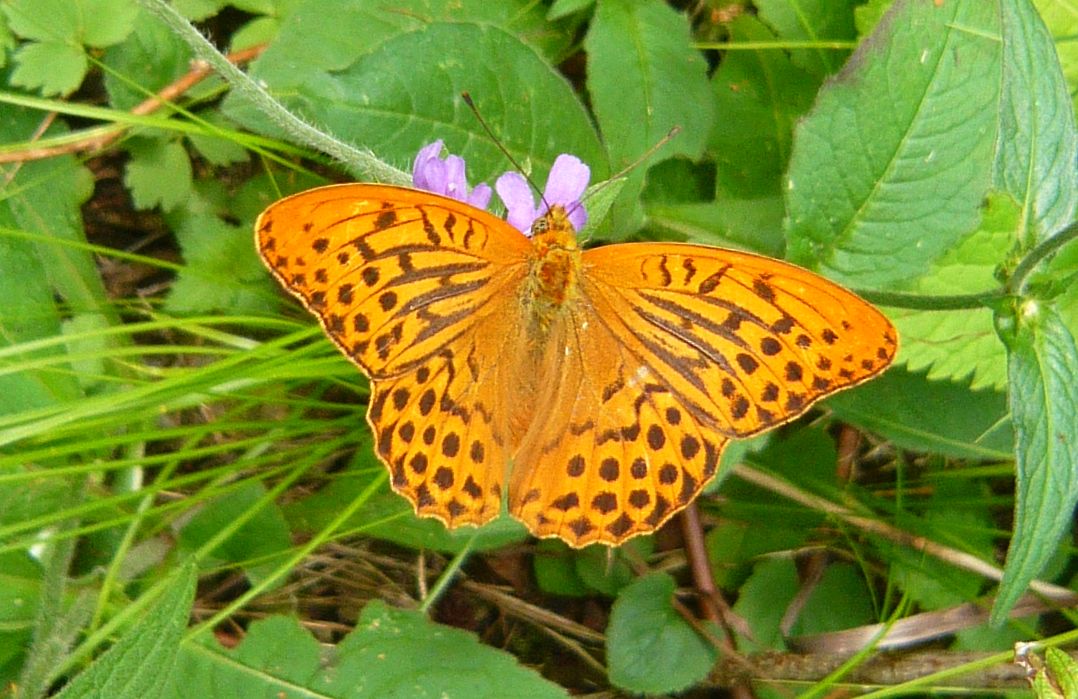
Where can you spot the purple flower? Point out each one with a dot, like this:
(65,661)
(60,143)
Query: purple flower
(446,177)
(564,186)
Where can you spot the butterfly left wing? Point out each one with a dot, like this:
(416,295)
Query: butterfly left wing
(420,292)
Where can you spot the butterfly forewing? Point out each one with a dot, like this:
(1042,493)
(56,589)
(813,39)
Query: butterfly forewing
(419,291)
(745,342)
(393,274)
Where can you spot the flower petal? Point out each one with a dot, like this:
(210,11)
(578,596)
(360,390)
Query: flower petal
(567,180)
(516,194)
(456,186)
(480,196)
(421,166)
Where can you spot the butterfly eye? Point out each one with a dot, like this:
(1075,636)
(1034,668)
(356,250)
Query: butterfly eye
(540,226)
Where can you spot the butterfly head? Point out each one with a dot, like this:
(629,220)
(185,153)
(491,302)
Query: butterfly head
(554,230)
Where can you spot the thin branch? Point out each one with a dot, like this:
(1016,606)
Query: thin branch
(959,559)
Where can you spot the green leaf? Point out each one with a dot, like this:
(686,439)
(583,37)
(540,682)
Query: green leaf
(392,653)
(564,8)
(199,9)
(38,277)
(811,20)
(954,345)
(151,58)
(645,77)
(764,598)
(759,96)
(911,116)
(158,174)
(1043,398)
(1062,21)
(97,23)
(142,660)
(1036,159)
(556,569)
(394,112)
(938,417)
(263,534)
(106,22)
(20,596)
(1064,670)
(348,30)
(609,570)
(650,648)
(839,600)
(222,270)
(867,16)
(53,68)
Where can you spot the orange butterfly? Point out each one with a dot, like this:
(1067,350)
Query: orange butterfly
(593,390)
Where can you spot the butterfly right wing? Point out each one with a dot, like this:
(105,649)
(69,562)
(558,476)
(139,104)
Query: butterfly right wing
(420,291)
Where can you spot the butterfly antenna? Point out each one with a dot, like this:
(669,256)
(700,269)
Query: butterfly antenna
(648,153)
(467,97)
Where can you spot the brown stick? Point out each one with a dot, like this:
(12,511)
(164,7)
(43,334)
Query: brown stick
(167,94)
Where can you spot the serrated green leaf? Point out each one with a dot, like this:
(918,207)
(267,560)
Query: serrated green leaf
(219,150)
(53,68)
(1061,18)
(1043,397)
(958,345)
(97,23)
(912,114)
(222,271)
(1064,670)
(1043,687)
(1035,160)
(142,660)
(644,78)
(394,112)
(391,654)
(43,20)
(811,20)
(938,417)
(40,277)
(650,648)
(158,174)
(151,58)
(106,22)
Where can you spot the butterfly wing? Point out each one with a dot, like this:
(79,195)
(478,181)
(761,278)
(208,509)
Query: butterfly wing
(420,291)
(745,342)
(612,453)
(670,351)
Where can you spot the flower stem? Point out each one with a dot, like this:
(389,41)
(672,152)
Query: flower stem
(359,162)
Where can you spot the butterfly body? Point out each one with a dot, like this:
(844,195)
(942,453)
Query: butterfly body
(590,390)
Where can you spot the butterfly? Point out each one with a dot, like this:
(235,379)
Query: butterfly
(588,392)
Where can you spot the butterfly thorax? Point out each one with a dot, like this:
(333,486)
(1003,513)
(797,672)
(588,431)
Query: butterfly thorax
(555,266)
